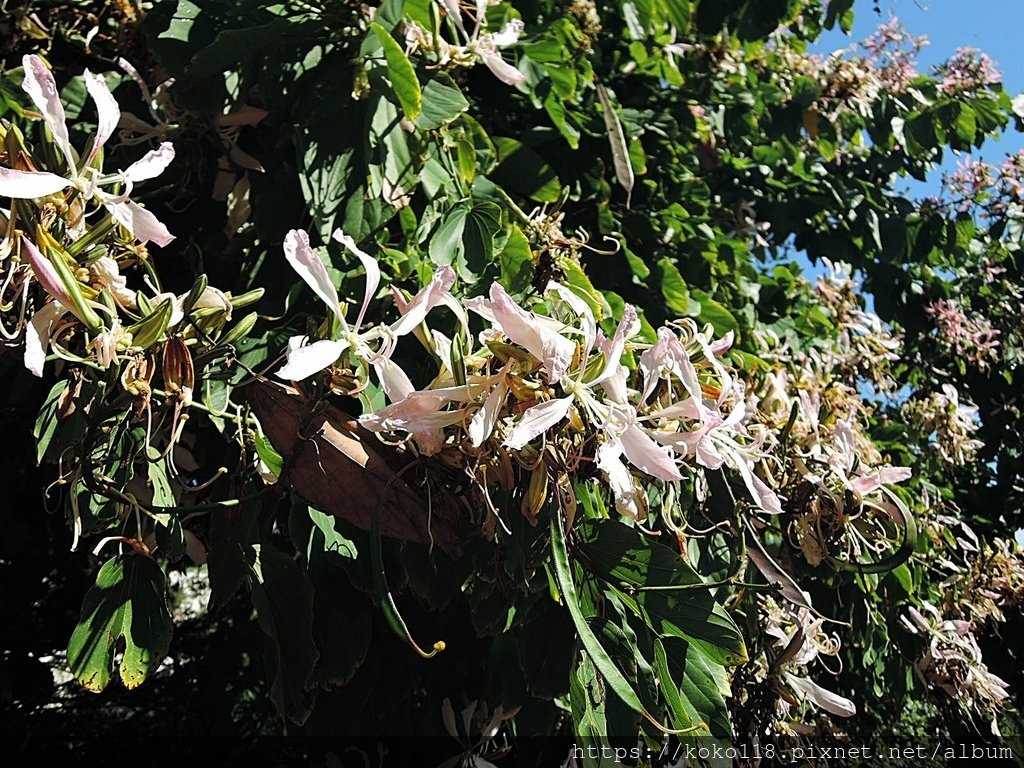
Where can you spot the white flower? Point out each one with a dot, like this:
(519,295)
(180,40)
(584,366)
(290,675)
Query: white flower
(41,88)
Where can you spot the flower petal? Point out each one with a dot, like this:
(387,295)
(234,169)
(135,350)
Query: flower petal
(37,335)
(482,424)
(879,477)
(144,225)
(619,479)
(152,164)
(628,326)
(107,112)
(45,273)
(395,381)
(536,420)
(646,455)
(582,309)
(509,34)
(312,270)
(417,308)
(303,362)
(553,350)
(763,495)
(372,272)
(41,88)
(501,68)
(27,185)
(830,702)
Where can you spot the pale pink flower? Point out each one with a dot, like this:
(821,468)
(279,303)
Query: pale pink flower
(41,88)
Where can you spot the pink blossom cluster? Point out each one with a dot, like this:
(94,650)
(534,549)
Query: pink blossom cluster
(969,185)
(537,373)
(975,184)
(969,336)
(892,51)
(966,71)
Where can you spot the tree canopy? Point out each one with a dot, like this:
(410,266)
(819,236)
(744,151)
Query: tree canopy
(478,381)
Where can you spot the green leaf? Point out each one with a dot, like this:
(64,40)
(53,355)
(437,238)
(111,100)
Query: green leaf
(712,312)
(700,686)
(446,244)
(330,538)
(267,454)
(628,560)
(674,290)
(403,76)
(482,226)
(47,421)
(232,46)
(966,124)
(516,260)
(587,702)
(598,655)
(283,597)
(523,171)
(442,102)
(128,602)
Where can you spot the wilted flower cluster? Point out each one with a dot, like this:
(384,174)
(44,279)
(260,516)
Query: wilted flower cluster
(953,662)
(950,422)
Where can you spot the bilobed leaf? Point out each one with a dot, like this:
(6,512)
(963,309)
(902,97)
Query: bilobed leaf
(234,45)
(127,604)
(442,102)
(627,559)
(520,169)
(283,597)
(403,76)
(701,687)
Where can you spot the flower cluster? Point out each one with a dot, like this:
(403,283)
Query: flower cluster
(892,51)
(969,336)
(953,662)
(835,480)
(543,375)
(951,423)
(978,186)
(73,230)
(967,70)
(477,44)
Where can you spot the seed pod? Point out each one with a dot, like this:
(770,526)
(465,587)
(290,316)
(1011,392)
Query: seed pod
(617,139)
(148,331)
(245,299)
(241,329)
(536,494)
(178,371)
